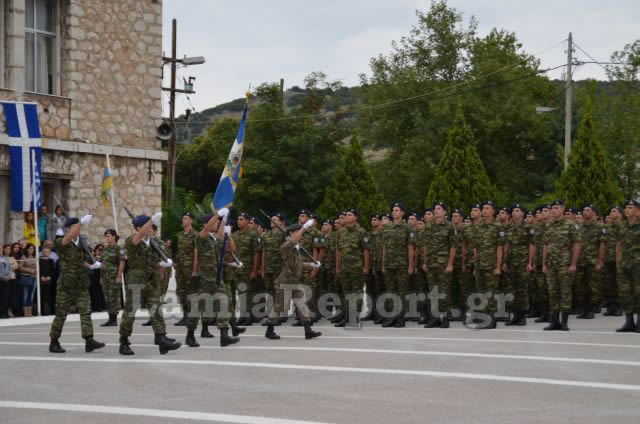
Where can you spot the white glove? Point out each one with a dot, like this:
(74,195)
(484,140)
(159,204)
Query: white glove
(156,218)
(227,230)
(315,264)
(236,265)
(224,214)
(59,232)
(95,265)
(308,224)
(86,219)
(166,264)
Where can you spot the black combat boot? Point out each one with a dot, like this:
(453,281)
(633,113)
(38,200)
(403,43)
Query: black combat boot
(617,310)
(379,319)
(491,324)
(165,345)
(125,340)
(563,323)
(343,321)
(308,332)
(235,330)
(190,340)
(212,321)
(425,317)
(225,339)
(204,333)
(444,322)
(544,314)
(534,311)
(271,334)
(400,322)
(369,316)
(554,322)
(156,339)
(90,344)
(125,348)
(337,317)
(514,318)
(148,323)
(629,326)
(522,319)
(112,322)
(434,322)
(54,347)
(182,322)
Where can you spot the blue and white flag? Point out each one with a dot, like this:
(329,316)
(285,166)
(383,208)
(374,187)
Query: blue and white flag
(223,198)
(23,129)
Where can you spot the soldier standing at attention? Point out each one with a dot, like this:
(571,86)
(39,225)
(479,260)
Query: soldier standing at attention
(458,299)
(628,260)
(519,255)
(330,263)
(543,217)
(272,265)
(186,265)
(113,259)
(292,275)
(608,281)
(73,286)
(559,261)
(468,269)
(591,262)
(374,285)
(398,247)
(248,251)
(439,253)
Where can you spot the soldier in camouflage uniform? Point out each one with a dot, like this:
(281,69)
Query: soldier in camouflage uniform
(352,265)
(143,260)
(519,255)
(541,310)
(439,253)
(272,265)
(113,260)
(315,244)
(608,281)
(248,251)
(457,290)
(398,247)
(559,261)
(186,265)
(488,240)
(325,275)
(629,266)
(330,263)
(417,280)
(292,275)
(375,284)
(161,275)
(591,262)
(468,284)
(73,286)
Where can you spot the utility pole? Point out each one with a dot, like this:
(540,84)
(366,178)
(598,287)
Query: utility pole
(282,93)
(172,116)
(567,105)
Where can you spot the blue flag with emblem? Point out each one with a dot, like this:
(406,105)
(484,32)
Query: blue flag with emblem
(23,130)
(223,197)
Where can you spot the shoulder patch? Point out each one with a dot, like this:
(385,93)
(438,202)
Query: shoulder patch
(532,231)
(501,233)
(604,231)
(577,226)
(366,239)
(122,252)
(412,234)
(316,240)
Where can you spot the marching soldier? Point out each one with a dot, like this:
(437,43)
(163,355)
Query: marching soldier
(113,260)
(161,276)
(186,265)
(591,262)
(312,240)
(559,261)
(248,251)
(272,264)
(629,266)
(73,285)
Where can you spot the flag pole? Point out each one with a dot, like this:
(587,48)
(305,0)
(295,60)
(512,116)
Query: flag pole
(35,225)
(115,219)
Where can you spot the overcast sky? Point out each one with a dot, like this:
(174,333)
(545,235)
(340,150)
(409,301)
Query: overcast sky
(255,41)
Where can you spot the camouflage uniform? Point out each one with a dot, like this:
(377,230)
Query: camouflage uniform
(351,245)
(439,239)
(396,238)
(111,257)
(184,267)
(271,242)
(312,238)
(486,239)
(608,275)
(420,278)
(559,237)
(540,292)
(375,280)
(72,289)
(327,269)
(140,281)
(209,249)
(629,269)
(519,238)
(468,281)
(292,273)
(457,286)
(247,245)
(587,280)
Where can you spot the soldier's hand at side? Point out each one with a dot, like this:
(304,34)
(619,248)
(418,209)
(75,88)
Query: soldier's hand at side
(424,267)
(448,269)
(118,280)
(544,269)
(253,275)
(497,271)
(411,270)
(598,267)
(365,271)
(572,269)
(529,268)
(314,272)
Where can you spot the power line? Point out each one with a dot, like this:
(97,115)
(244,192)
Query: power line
(590,57)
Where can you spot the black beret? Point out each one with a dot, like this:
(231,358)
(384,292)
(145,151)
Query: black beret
(592,206)
(504,208)
(304,212)
(189,214)
(579,213)
(69,222)
(399,205)
(631,202)
(140,220)
(530,213)
(386,215)
(244,215)
(413,214)
(374,215)
(353,211)
(475,206)
(207,217)
(490,203)
(293,227)
(441,204)
(615,207)
(571,210)
(258,222)
(327,221)
(279,215)
(519,206)
(556,202)
(427,210)
(458,211)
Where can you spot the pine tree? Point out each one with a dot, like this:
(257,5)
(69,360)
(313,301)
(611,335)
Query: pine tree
(354,186)
(589,176)
(460,178)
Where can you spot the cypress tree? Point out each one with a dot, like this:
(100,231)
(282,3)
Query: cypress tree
(354,186)
(589,176)
(460,178)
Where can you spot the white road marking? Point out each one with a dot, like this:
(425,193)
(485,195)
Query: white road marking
(380,351)
(268,365)
(143,412)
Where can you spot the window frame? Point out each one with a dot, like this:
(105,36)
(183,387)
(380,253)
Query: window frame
(56,47)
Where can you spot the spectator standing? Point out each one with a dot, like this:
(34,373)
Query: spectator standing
(55,223)
(43,220)
(27,270)
(29,228)
(95,289)
(47,276)
(7,279)
(14,288)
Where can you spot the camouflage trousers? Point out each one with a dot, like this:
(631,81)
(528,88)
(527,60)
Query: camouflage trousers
(437,277)
(111,291)
(199,303)
(183,280)
(467,284)
(609,284)
(211,300)
(229,277)
(559,282)
(325,282)
(396,282)
(141,285)
(487,282)
(518,285)
(629,289)
(587,282)
(300,295)
(540,289)
(374,285)
(275,301)
(69,295)
(352,282)
(457,290)
(247,288)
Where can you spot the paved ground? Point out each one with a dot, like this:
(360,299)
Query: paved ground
(371,375)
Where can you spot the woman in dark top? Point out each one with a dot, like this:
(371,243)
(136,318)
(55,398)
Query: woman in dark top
(47,276)
(95,289)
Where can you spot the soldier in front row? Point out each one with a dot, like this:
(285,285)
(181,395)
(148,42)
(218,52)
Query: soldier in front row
(629,266)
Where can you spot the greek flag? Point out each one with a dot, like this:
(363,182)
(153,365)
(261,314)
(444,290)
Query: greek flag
(23,129)
(223,198)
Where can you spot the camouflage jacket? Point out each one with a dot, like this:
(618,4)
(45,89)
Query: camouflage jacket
(486,238)
(375,250)
(111,257)
(141,257)
(519,237)
(540,228)
(184,250)
(559,237)
(312,238)
(71,259)
(291,264)
(590,237)
(351,243)
(271,242)
(247,244)
(467,241)
(208,257)
(629,238)
(330,251)
(610,233)
(395,240)
(458,244)
(439,239)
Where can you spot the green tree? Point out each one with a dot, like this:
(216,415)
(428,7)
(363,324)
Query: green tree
(460,178)
(354,186)
(589,177)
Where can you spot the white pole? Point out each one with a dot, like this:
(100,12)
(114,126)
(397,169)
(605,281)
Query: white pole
(35,224)
(115,219)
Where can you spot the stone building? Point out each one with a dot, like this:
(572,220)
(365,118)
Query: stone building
(94,69)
